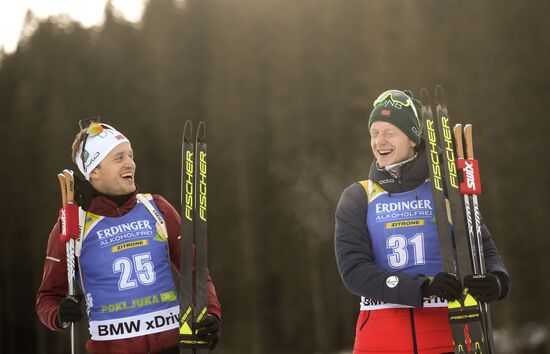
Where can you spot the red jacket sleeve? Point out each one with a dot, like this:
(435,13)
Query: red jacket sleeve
(173,224)
(54,284)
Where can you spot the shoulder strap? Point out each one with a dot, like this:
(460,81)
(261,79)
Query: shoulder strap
(372,189)
(86,220)
(156,215)
(81,223)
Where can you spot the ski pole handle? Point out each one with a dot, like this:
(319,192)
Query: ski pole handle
(69,232)
(62,183)
(457,130)
(468,136)
(68,215)
(70,185)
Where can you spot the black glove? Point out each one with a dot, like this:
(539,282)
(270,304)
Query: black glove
(208,330)
(444,285)
(69,310)
(484,287)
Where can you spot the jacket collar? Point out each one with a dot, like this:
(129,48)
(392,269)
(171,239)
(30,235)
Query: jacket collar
(104,206)
(413,174)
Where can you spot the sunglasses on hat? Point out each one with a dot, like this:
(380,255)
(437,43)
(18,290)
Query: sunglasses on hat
(92,130)
(397,96)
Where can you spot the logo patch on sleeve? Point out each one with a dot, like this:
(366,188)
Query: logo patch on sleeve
(392,281)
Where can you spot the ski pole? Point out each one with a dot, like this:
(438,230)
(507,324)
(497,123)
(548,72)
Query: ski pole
(69,232)
(472,172)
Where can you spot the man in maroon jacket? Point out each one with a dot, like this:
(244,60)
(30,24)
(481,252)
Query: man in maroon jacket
(124,258)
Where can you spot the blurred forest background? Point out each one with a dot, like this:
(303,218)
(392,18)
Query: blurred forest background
(286,87)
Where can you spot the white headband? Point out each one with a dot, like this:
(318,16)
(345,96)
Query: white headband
(97,148)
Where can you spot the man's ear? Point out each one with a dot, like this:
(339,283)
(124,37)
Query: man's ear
(94,175)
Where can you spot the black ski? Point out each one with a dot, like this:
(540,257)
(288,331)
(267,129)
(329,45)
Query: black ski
(201,285)
(465,311)
(193,289)
(435,171)
(187,310)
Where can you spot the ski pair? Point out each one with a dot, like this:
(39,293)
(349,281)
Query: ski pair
(68,216)
(470,321)
(193,294)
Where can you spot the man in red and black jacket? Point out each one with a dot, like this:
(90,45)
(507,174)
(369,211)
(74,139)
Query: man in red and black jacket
(125,259)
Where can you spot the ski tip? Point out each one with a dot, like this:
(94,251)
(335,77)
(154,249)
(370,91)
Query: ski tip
(188,129)
(201,131)
(67,171)
(440,95)
(425,96)
(426,110)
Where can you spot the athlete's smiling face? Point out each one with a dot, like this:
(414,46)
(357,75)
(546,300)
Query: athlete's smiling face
(115,174)
(389,144)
